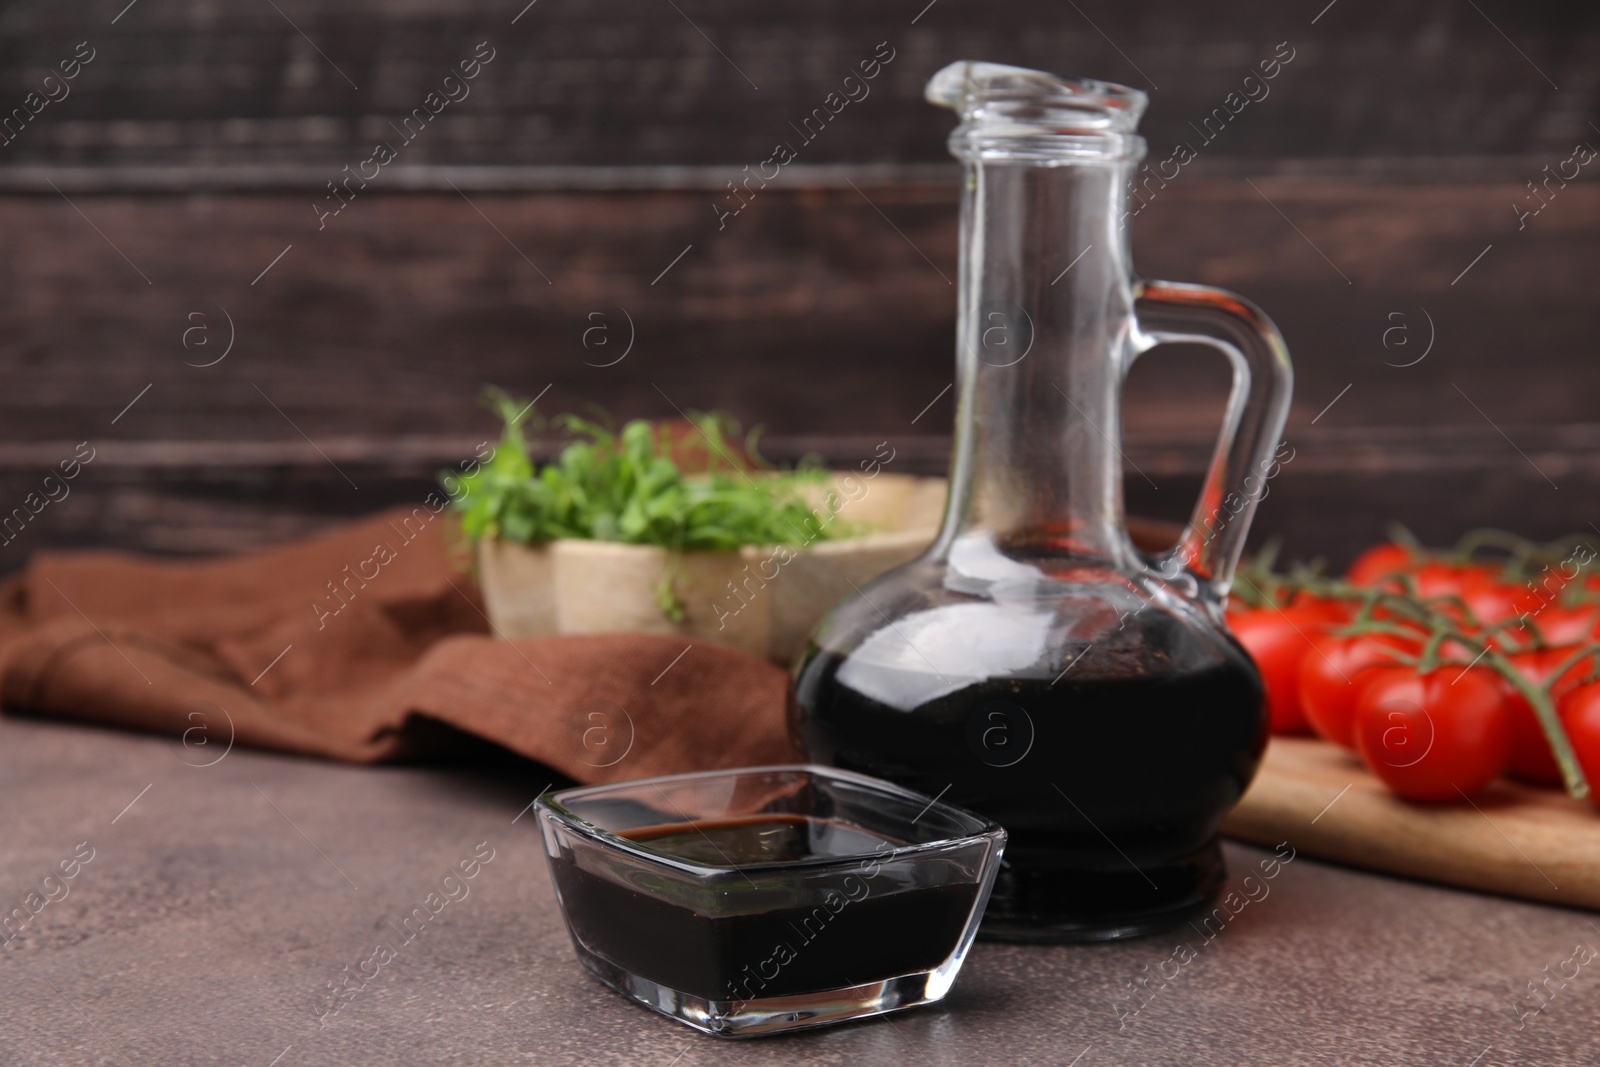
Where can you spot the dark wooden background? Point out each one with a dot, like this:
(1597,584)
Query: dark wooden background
(1371,191)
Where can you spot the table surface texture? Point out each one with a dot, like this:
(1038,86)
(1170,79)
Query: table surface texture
(221,900)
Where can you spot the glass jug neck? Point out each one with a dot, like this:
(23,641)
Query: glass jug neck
(1044,313)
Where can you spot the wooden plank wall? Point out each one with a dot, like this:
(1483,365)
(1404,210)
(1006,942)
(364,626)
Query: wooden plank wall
(164,207)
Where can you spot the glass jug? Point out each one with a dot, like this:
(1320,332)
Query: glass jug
(1034,665)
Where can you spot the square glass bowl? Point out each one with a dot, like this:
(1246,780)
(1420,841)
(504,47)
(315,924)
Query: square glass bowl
(770,899)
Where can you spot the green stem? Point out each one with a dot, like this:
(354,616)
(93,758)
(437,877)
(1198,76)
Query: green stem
(667,598)
(1429,660)
(1539,698)
(1406,539)
(1569,663)
(1473,540)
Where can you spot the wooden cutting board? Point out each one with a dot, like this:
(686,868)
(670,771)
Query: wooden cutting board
(1511,839)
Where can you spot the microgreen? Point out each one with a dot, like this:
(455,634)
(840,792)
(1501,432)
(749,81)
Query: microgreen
(630,486)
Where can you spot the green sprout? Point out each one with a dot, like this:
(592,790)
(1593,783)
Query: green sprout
(626,486)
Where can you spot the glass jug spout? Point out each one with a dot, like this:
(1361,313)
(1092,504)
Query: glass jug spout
(1019,114)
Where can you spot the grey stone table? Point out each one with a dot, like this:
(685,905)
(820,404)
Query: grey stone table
(221,900)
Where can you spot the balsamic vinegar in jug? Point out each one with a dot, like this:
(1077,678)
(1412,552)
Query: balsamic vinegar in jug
(1034,665)
(1111,770)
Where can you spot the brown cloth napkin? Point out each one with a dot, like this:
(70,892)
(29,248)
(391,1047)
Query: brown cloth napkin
(354,645)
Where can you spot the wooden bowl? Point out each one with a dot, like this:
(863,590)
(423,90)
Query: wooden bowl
(764,600)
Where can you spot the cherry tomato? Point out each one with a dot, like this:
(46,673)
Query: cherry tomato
(1441,579)
(1278,639)
(1559,626)
(1528,600)
(1490,599)
(1580,714)
(1530,758)
(1331,673)
(1379,562)
(1434,736)
(1469,593)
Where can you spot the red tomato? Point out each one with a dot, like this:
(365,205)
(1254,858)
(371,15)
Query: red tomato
(1490,599)
(1441,579)
(1278,639)
(1464,580)
(1379,562)
(1560,626)
(1530,758)
(1529,600)
(1450,586)
(1331,673)
(1434,736)
(1580,714)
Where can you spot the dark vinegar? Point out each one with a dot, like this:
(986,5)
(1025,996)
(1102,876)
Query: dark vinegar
(1112,789)
(774,952)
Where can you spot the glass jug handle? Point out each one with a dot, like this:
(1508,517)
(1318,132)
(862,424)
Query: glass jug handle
(1244,458)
